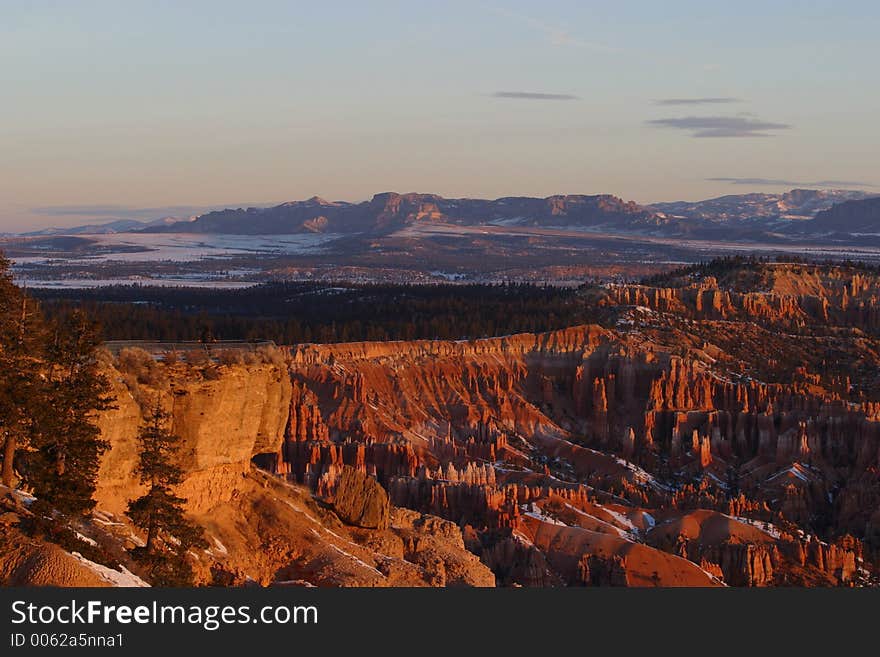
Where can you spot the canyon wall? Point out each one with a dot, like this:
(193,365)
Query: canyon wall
(791,295)
(223,423)
(259,528)
(644,410)
(641,450)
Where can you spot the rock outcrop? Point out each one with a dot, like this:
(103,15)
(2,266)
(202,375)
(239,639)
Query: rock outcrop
(360,500)
(222,422)
(277,534)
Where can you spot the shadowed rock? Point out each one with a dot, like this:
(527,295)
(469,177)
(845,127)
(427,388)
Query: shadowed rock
(361,500)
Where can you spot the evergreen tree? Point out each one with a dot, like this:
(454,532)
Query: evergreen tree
(159,512)
(62,465)
(21,382)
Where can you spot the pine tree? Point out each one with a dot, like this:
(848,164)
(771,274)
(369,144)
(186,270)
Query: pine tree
(62,465)
(21,382)
(159,512)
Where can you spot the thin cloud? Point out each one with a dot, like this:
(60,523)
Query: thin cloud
(533,95)
(106,211)
(556,35)
(719,100)
(781,182)
(113,211)
(720,126)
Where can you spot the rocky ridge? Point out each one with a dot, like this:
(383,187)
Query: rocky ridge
(637,416)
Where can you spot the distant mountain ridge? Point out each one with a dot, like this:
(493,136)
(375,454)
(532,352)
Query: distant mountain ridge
(799,212)
(391,211)
(795,204)
(110,227)
(851,218)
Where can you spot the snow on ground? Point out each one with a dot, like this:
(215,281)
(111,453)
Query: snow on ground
(298,509)
(122,577)
(295,582)
(711,576)
(718,482)
(522,538)
(170,281)
(105,519)
(145,248)
(620,532)
(356,559)
(631,529)
(795,470)
(187,247)
(449,276)
(326,530)
(533,511)
(218,548)
(25,498)
(640,475)
(766,527)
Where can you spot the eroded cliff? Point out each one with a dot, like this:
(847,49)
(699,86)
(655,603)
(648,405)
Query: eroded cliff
(223,423)
(752,397)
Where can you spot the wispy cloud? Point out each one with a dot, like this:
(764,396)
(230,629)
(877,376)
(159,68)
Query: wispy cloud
(113,211)
(102,212)
(555,35)
(720,126)
(710,100)
(533,95)
(782,182)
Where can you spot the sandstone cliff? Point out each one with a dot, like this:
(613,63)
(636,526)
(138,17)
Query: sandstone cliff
(223,424)
(260,529)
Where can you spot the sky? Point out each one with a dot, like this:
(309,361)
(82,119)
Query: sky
(137,109)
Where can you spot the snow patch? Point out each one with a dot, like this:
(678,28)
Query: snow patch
(796,470)
(106,519)
(620,532)
(765,527)
(356,559)
(25,498)
(533,511)
(122,577)
(631,529)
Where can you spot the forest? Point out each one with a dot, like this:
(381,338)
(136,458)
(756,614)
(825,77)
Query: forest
(292,312)
(52,385)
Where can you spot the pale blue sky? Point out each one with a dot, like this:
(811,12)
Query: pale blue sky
(154,104)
